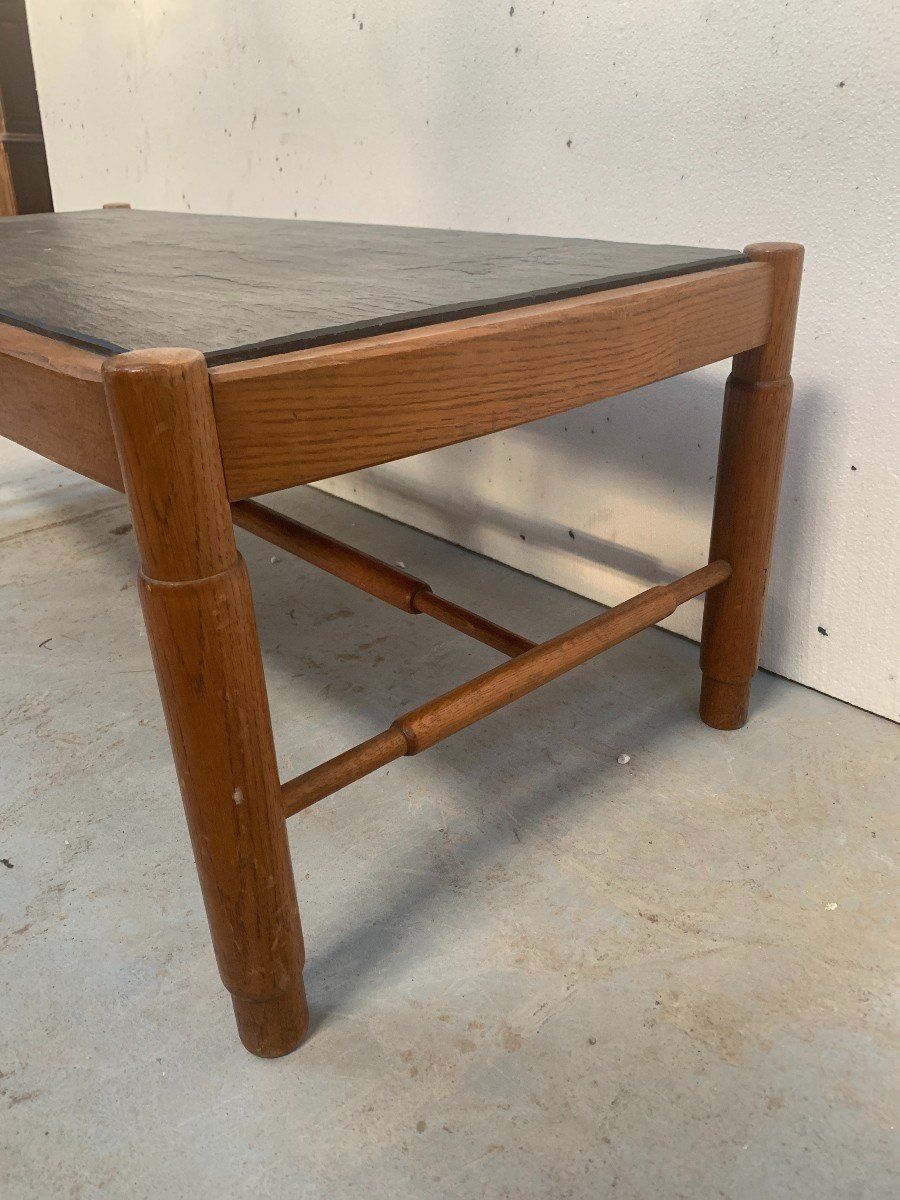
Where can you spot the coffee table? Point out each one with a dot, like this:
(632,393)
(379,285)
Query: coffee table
(313,349)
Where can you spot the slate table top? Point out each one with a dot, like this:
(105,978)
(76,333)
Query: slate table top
(243,287)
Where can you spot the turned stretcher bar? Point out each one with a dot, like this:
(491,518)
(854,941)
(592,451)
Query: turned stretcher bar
(530,665)
(371,575)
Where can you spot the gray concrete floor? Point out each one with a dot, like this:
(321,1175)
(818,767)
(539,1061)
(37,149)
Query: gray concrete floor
(534,972)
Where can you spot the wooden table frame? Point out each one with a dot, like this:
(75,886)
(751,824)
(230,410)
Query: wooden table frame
(192,445)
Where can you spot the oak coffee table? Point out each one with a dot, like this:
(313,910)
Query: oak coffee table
(313,349)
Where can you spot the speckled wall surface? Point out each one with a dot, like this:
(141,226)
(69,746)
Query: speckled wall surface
(697,122)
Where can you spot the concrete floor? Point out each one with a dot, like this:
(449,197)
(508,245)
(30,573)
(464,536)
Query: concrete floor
(534,972)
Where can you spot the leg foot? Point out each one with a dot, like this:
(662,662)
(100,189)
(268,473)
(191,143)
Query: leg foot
(273,1026)
(724,704)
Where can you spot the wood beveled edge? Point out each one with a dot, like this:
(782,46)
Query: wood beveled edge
(58,430)
(52,402)
(312,414)
(49,353)
(522,317)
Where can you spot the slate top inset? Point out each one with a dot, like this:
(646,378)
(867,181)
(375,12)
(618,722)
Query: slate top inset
(243,287)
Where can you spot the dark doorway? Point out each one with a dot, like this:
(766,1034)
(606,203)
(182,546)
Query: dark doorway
(24,181)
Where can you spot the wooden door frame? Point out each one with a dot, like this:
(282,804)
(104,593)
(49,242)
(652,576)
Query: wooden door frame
(24,179)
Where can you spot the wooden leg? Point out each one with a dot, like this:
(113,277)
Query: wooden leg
(199,614)
(751,457)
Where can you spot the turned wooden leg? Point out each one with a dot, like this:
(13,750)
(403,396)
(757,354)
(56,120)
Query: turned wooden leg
(751,458)
(199,615)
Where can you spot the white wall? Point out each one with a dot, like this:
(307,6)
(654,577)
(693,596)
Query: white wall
(693,122)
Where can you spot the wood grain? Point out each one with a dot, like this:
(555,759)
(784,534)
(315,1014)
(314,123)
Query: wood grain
(471,624)
(342,770)
(52,401)
(355,567)
(380,579)
(751,461)
(186,442)
(170,460)
(296,418)
(300,417)
(476,698)
(199,615)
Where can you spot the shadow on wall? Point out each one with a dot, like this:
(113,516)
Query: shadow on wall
(573,498)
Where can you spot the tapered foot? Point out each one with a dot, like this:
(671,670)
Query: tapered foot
(274,1026)
(724,705)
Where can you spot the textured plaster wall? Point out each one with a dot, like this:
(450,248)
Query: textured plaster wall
(697,122)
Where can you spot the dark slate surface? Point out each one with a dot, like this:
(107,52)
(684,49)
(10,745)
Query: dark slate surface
(241,287)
